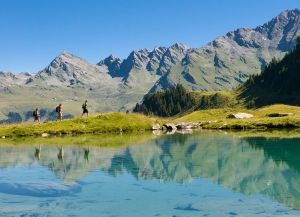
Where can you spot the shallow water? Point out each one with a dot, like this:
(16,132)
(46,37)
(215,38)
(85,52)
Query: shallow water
(202,174)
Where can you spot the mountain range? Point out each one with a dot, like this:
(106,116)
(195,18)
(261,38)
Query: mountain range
(115,84)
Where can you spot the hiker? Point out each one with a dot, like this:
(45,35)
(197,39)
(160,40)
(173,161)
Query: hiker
(59,112)
(61,153)
(36,115)
(86,153)
(37,152)
(84,109)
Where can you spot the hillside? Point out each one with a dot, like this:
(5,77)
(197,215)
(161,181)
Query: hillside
(278,83)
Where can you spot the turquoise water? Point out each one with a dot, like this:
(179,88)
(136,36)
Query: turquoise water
(202,174)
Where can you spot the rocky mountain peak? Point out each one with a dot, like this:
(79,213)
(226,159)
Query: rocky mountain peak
(282,29)
(180,47)
(172,56)
(113,65)
(66,59)
(68,69)
(8,78)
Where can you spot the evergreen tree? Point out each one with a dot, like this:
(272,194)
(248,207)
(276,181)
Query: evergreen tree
(166,103)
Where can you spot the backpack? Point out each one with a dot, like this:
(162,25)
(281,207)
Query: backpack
(34,113)
(83,106)
(57,109)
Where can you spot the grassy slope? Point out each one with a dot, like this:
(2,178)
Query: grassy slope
(216,118)
(102,123)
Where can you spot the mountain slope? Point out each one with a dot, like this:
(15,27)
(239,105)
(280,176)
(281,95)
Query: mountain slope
(68,69)
(278,83)
(229,60)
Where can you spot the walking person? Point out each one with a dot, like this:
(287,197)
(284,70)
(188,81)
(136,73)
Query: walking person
(36,115)
(59,111)
(84,109)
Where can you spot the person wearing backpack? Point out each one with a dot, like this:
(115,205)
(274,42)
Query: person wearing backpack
(36,115)
(59,112)
(84,109)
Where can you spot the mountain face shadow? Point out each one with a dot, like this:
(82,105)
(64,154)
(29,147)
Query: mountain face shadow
(246,165)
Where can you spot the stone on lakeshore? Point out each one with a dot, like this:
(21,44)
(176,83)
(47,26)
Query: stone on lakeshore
(183,125)
(156,127)
(169,126)
(45,134)
(240,115)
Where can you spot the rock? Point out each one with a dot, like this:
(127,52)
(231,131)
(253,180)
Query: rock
(240,115)
(156,127)
(45,134)
(169,127)
(3,137)
(273,115)
(184,126)
(223,126)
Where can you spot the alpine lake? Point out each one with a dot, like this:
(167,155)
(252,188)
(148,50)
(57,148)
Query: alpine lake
(202,173)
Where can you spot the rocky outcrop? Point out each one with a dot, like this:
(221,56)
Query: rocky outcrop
(113,65)
(240,115)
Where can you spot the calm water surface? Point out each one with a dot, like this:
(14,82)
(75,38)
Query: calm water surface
(202,174)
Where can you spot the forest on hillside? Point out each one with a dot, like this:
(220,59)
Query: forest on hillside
(279,82)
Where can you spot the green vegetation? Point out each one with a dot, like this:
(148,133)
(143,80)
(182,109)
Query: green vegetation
(216,99)
(177,101)
(166,103)
(120,122)
(278,83)
(102,123)
(217,118)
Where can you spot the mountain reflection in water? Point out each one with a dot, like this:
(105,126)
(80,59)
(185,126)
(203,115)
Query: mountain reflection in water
(247,165)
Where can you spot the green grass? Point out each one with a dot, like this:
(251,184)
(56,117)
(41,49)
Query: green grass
(120,122)
(217,118)
(102,123)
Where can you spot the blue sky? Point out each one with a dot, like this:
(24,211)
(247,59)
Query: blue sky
(33,32)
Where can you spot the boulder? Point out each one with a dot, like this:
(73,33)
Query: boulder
(169,127)
(45,135)
(184,126)
(156,127)
(240,115)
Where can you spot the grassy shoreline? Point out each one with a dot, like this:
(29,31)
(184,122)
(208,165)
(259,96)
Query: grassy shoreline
(102,123)
(120,122)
